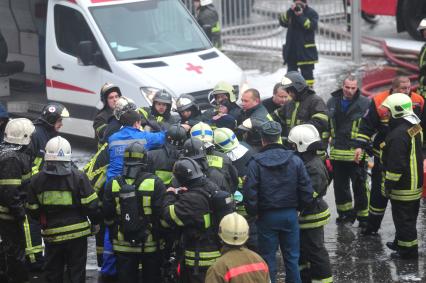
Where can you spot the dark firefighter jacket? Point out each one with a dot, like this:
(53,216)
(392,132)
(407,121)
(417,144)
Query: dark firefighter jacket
(223,164)
(160,162)
(195,118)
(191,211)
(270,105)
(150,114)
(316,214)
(403,161)
(344,125)
(15,173)
(42,134)
(100,122)
(258,116)
(208,16)
(376,122)
(150,192)
(96,169)
(238,265)
(63,205)
(306,108)
(300,39)
(276,178)
(422,71)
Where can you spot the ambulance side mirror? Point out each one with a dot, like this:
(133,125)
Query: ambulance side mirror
(85,53)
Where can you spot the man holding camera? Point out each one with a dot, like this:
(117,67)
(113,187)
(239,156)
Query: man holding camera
(300,50)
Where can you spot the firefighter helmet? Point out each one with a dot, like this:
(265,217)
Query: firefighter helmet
(225,139)
(401,106)
(225,88)
(58,149)
(52,112)
(19,131)
(186,170)
(134,154)
(422,25)
(176,134)
(163,97)
(303,136)
(203,132)
(234,229)
(106,90)
(185,102)
(294,80)
(122,106)
(194,148)
(206,2)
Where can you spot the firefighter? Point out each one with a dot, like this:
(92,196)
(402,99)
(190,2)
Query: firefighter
(237,263)
(254,114)
(373,130)
(305,107)
(61,197)
(188,110)
(160,161)
(160,111)
(422,60)
(240,154)
(346,108)
(215,158)
(15,172)
(208,18)
(222,95)
(109,96)
(403,172)
(314,262)
(189,208)
(299,50)
(132,208)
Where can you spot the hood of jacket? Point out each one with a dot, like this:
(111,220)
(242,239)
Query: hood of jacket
(273,155)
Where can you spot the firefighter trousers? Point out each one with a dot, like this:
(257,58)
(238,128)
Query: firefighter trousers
(346,172)
(128,267)
(188,274)
(314,262)
(307,71)
(71,254)
(378,202)
(13,252)
(404,214)
(33,244)
(99,239)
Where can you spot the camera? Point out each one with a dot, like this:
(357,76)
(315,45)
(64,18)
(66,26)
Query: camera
(298,8)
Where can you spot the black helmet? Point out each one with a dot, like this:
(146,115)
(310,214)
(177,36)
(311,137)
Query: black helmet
(163,97)
(176,135)
(294,79)
(194,148)
(52,112)
(185,102)
(106,90)
(186,170)
(134,159)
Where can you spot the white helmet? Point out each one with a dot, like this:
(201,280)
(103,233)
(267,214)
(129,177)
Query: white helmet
(123,105)
(203,132)
(401,106)
(206,2)
(57,149)
(303,136)
(422,25)
(234,229)
(19,131)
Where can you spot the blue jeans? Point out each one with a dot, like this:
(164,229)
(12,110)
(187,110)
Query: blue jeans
(280,227)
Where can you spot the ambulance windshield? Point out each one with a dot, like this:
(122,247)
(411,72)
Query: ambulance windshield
(149,29)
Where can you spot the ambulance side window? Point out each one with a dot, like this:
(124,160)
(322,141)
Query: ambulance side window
(70,29)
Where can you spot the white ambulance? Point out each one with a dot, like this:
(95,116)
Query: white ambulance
(140,45)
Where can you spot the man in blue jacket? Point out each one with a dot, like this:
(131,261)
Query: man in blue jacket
(276,187)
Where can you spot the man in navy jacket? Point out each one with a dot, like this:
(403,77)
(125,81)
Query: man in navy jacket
(276,187)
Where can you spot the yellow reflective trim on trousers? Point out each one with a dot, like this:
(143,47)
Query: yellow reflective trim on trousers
(26,176)
(320,215)
(408,244)
(213,254)
(321,116)
(413,165)
(34,206)
(215,161)
(89,199)
(165,176)
(325,280)
(55,198)
(300,63)
(34,250)
(191,262)
(207,220)
(63,229)
(10,182)
(342,154)
(4,209)
(362,213)
(293,115)
(28,241)
(307,24)
(393,176)
(406,195)
(173,215)
(67,237)
(314,224)
(344,207)
(378,210)
(309,45)
(36,165)
(216,27)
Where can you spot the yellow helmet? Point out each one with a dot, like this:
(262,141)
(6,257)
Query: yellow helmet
(234,229)
(225,139)
(203,132)
(225,88)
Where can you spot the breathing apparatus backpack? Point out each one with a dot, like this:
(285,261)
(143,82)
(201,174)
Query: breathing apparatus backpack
(221,205)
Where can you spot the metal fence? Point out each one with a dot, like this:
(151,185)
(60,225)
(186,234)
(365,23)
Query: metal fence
(252,26)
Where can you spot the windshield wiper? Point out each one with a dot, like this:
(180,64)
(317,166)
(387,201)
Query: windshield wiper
(167,54)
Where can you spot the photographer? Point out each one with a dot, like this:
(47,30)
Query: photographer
(300,50)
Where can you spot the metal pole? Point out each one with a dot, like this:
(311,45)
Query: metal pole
(356,31)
